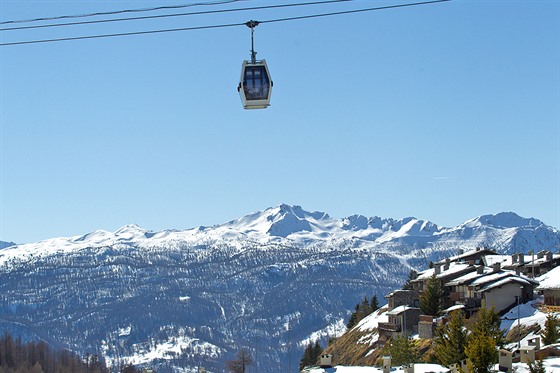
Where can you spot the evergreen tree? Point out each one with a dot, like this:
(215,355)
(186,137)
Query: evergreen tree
(481,352)
(402,350)
(311,355)
(353,320)
(411,276)
(551,332)
(451,339)
(374,304)
(537,367)
(488,321)
(431,298)
(306,358)
(317,351)
(363,309)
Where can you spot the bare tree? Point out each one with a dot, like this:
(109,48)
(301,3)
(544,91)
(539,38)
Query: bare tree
(243,360)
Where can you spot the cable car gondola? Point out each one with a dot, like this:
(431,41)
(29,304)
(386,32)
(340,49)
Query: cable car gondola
(255,84)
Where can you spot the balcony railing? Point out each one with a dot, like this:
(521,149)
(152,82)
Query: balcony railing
(389,327)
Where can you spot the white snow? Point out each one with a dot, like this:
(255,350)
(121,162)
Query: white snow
(550,280)
(335,329)
(454,267)
(123,332)
(418,368)
(552,365)
(292,224)
(146,352)
(371,322)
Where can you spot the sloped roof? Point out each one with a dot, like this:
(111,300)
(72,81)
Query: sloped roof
(454,268)
(400,309)
(502,282)
(526,260)
(550,280)
(468,278)
(467,254)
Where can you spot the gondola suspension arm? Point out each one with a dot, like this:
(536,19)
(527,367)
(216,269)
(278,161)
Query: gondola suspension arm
(252,24)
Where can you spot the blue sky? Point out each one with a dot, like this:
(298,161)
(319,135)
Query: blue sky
(443,112)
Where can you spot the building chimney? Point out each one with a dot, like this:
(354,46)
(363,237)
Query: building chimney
(480,270)
(535,342)
(514,258)
(496,267)
(548,256)
(386,364)
(437,269)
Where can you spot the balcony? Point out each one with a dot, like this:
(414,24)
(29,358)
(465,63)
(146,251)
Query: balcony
(456,296)
(473,302)
(388,327)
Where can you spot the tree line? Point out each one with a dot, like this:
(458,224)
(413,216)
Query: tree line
(39,357)
(361,310)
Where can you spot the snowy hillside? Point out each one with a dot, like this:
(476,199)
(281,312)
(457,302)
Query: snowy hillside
(266,281)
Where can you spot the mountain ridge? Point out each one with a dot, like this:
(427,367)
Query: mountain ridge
(285,220)
(277,276)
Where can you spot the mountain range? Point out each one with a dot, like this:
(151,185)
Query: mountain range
(270,281)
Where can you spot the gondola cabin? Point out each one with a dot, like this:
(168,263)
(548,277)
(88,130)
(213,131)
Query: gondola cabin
(255,85)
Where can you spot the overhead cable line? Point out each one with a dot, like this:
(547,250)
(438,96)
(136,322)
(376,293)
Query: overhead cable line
(223,25)
(351,11)
(175,15)
(121,12)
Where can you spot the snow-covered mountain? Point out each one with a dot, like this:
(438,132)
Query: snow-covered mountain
(6,244)
(267,281)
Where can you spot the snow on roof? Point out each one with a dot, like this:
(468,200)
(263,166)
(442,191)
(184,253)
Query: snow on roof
(538,262)
(504,260)
(454,267)
(400,309)
(453,308)
(550,280)
(395,292)
(467,254)
(491,277)
(523,260)
(468,277)
(502,282)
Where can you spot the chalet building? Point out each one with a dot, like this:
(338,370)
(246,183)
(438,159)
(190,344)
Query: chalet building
(403,314)
(402,298)
(530,265)
(550,288)
(490,287)
(402,320)
(472,280)
(445,272)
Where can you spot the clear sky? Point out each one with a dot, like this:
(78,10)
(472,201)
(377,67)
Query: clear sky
(443,112)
